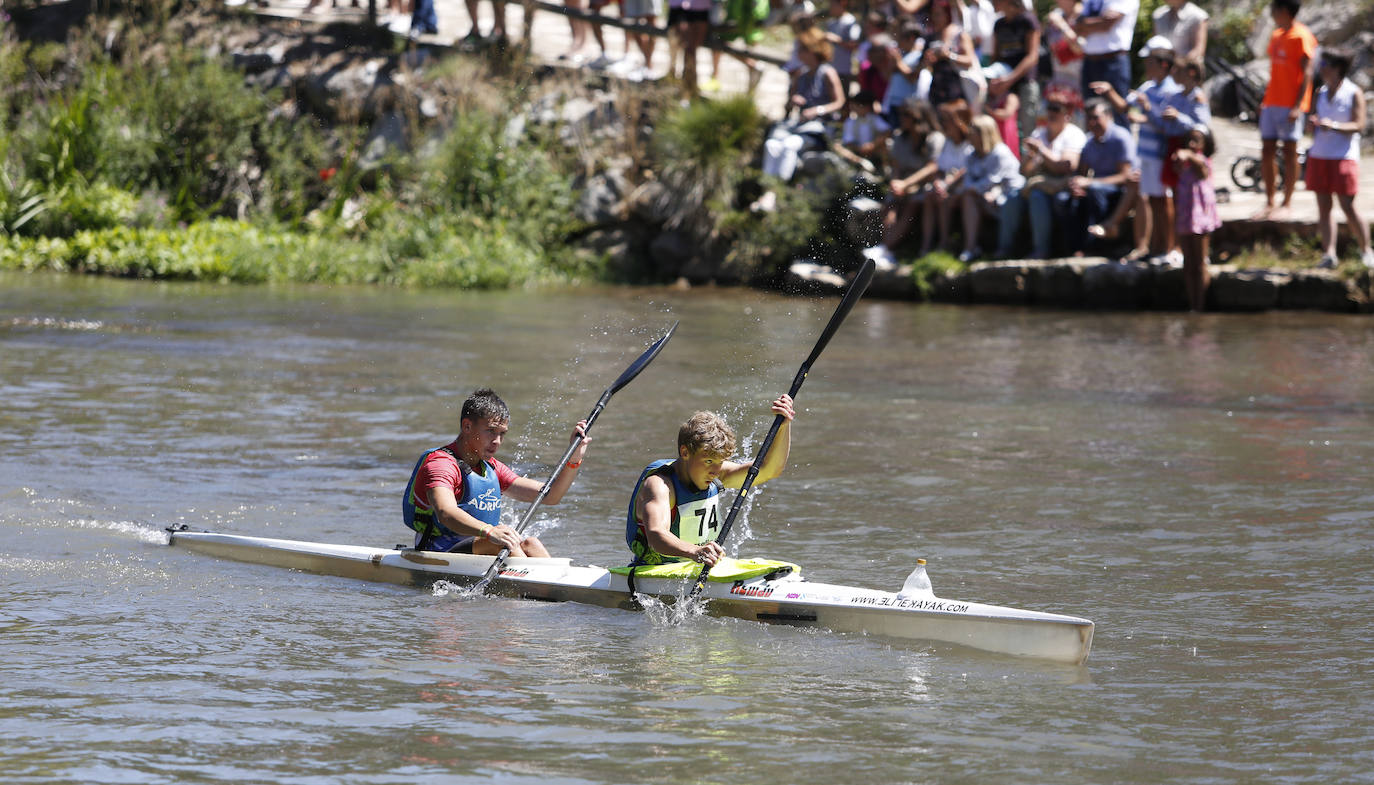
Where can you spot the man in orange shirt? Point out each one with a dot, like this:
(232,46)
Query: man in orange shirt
(1288,98)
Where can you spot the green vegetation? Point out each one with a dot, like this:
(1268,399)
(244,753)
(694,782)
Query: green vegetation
(163,163)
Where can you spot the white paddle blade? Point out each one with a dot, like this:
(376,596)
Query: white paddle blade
(917,583)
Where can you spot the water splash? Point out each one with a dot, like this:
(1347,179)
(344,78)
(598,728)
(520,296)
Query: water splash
(140,531)
(663,614)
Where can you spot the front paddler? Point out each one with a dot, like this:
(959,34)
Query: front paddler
(453,500)
(675,511)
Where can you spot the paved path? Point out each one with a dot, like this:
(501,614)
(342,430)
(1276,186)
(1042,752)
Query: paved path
(552,37)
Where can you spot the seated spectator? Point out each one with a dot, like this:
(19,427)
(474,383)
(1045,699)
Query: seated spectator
(816,98)
(1050,159)
(937,206)
(914,153)
(1185,25)
(1016,46)
(864,138)
(993,175)
(1104,173)
(843,31)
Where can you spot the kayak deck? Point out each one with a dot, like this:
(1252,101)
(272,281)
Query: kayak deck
(783,600)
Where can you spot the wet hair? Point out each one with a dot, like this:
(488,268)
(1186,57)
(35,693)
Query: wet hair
(1209,144)
(1291,6)
(483,405)
(1338,59)
(707,431)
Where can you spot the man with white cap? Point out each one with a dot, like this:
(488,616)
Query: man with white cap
(1144,107)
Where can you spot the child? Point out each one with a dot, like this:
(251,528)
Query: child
(1183,111)
(674,510)
(864,138)
(1333,161)
(1004,108)
(1286,100)
(1196,211)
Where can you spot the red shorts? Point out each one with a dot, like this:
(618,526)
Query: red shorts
(1333,176)
(1168,175)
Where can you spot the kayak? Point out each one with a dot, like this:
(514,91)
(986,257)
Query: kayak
(781,596)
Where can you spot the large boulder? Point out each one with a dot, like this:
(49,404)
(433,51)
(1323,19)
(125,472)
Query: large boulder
(1117,285)
(1245,290)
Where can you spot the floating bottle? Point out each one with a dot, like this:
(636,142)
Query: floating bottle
(917,583)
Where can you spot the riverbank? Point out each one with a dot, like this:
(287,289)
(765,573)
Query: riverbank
(627,207)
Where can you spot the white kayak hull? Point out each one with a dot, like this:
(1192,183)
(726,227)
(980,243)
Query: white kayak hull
(786,600)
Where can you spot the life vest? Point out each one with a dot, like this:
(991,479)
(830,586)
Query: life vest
(695,516)
(481,499)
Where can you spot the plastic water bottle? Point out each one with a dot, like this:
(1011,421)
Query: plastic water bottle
(917,583)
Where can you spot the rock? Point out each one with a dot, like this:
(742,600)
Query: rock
(950,288)
(1245,290)
(649,203)
(601,198)
(1056,282)
(1321,290)
(863,221)
(670,252)
(1168,290)
(894,284)
(1002,283)
(390,132)
(1108,284)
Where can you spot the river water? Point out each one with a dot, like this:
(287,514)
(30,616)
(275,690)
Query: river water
(1199,486)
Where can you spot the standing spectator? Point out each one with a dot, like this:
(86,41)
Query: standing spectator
(1106,27)
(1185,25)
(1104,172)
(498,25)
(950,57)
(1016,45)
(937,205)
(914,152)
(864,138)
(1066,52)
(1288,97)
(1051,157)
(1004,108)
(1183,111)
(743,20)
(1144,107)
(1197,211)
(843,31)
(643,12)
(423,19)
(909,79)
(977,17)
(688,22)
(1333,162)
(993,176)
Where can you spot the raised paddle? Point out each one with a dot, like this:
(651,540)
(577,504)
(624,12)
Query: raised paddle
(625,378)
(851,296)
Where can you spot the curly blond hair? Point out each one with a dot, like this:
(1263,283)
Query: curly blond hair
(707,431)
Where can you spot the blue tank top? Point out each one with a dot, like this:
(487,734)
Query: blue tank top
(481,499)
(695,515)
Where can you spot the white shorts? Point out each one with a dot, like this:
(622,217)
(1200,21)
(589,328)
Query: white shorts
(1150,171)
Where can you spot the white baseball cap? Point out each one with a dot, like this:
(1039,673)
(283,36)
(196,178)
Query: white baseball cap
(1157,45)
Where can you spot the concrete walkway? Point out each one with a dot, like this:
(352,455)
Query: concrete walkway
(552,37)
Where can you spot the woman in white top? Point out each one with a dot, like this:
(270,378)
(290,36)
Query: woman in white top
(1333,160)
(993,176)
(938,206)
(1049,159)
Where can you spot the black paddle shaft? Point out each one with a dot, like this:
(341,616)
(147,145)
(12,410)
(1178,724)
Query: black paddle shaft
(851,296)
(624,379)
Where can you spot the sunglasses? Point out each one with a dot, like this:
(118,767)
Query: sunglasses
(1055,108)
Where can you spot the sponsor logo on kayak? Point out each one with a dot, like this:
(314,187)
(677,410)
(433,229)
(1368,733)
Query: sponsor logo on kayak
(751,591)
(515,573)
(917,605)
(793,596)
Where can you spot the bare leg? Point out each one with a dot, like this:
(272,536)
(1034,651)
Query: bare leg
(928,219)
(1326,224)
(1195,276)
(498,28)
(1357,224)
(969,202)
(1159,224)
(1269,173)
(1290,171)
